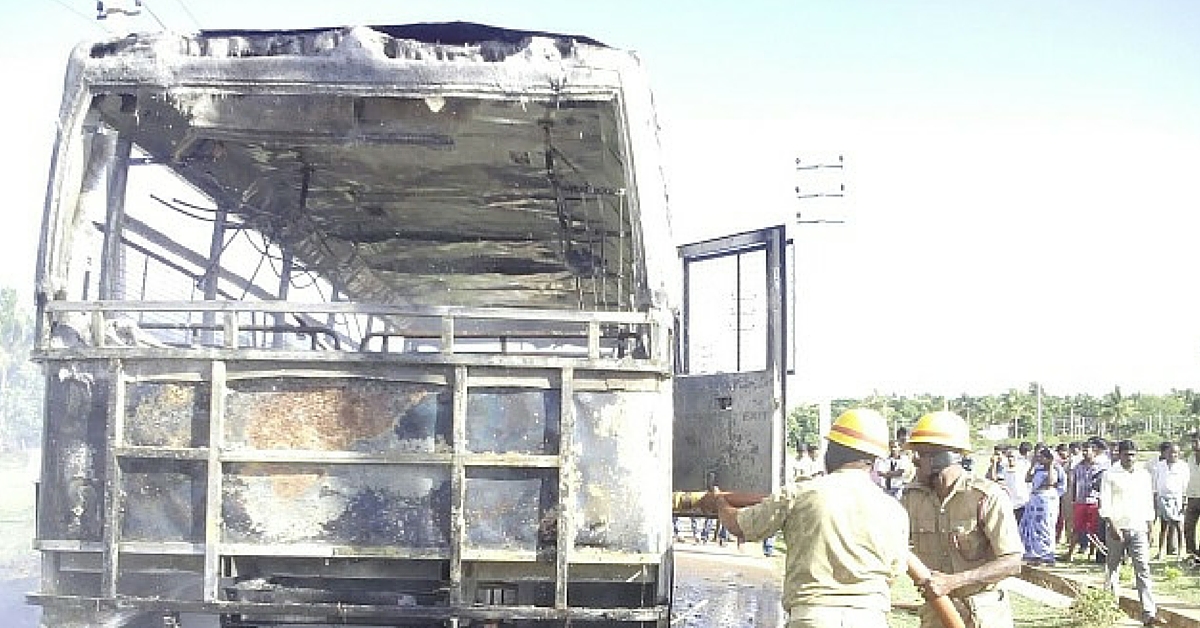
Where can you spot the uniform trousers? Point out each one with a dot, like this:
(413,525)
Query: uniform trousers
(835,617)
(988,609)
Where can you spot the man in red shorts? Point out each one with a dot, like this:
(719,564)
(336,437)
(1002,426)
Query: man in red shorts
(1086,496)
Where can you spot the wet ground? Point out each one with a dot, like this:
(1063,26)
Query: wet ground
(14,612)
(722,587)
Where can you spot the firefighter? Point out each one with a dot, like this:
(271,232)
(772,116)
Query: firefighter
(846,540)
(962,527)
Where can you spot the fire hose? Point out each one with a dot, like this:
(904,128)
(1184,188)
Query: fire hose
(942,605)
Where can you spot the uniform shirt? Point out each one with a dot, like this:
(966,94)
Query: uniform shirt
(1127,498)
(1170,480)
(846,541)
(973,525)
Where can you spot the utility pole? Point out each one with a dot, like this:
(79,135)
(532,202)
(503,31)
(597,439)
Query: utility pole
(812,184)
(1038,390)
(1035,389)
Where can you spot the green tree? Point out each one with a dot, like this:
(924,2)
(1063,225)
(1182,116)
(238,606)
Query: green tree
(1018,409)
(802,426)
(967,407)
(1161,414)
(1088,407)
(1056,417)
(20,381)
(988,407)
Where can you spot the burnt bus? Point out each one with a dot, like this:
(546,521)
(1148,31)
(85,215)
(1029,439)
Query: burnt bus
(377,326)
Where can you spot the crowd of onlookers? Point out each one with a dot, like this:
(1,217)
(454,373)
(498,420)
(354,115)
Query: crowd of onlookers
(1059,495)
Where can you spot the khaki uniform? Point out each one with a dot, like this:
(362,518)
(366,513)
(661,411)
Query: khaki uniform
(973,525)
(846,542)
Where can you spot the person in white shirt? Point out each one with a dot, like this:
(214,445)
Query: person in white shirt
(1015,481)
(1127,504)
(894,472)
(1171,477)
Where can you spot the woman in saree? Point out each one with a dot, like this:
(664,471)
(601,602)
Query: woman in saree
(1046,480)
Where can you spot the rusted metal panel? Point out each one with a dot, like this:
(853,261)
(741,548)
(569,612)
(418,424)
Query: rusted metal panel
(370,505)
(74,471)
(513,420)
(510,509)
(725,431)
(167,414)
(337,414)
(623,445)
(162,500)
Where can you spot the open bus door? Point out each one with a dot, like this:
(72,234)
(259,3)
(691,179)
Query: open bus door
(732,363)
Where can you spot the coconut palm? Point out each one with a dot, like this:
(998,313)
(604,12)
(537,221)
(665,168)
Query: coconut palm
(1114,409)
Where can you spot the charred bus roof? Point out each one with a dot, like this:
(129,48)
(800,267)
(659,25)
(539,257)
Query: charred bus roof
(425,164)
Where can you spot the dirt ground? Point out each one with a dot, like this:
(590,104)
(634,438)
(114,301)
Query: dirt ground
(18,561)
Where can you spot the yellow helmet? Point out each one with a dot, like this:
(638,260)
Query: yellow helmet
(942,428)
(861,429)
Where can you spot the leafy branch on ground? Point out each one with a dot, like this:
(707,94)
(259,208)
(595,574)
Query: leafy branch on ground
(1095,607)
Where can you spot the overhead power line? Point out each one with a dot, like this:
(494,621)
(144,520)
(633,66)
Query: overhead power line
(190,15)
(152,14)
(82,16)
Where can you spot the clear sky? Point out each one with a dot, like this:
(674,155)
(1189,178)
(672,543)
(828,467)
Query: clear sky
(1022,176)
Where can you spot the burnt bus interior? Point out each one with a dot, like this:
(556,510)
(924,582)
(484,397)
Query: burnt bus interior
(332,337)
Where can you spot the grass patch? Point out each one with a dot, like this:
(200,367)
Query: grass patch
(1169,578)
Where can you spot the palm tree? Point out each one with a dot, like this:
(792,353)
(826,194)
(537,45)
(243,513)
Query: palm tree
(1114,409)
